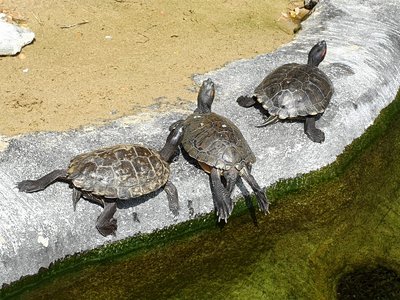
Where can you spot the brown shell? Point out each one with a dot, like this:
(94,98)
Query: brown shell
(216,141)
(121,171)
(294,90)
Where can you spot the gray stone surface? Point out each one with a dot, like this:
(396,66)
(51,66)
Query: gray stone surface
(363,38)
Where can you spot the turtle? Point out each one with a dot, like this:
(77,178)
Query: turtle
(295,91)
(119,172)
(219,147)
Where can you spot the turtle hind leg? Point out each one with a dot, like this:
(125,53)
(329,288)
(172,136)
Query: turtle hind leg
(105,223)
(172,195)
(246,101)
(313,133)
(262,200)
(222,199)
(30,186)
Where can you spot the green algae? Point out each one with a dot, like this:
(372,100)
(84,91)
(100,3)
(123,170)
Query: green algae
(323,225)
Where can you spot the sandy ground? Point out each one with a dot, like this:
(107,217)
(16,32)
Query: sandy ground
(129,56)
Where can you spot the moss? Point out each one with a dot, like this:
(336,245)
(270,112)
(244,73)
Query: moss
(322,225)
(369,283)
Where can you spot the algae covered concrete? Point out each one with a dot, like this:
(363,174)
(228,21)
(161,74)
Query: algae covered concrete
(39,228)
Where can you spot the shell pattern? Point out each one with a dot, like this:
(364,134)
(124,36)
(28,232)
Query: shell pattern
(295,90)
(121,171)
(216,141)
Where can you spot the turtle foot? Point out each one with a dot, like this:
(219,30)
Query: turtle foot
(28,186)
(108,227)
(106,224)
(313,133)
(263,202)
(246,101)
(316,135)
(224,210)
(172,195)
(222,200)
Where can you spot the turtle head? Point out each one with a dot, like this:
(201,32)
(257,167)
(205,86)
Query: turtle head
(317,54)
(205,97)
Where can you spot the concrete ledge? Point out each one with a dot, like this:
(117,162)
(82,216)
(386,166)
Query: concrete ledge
(362,61)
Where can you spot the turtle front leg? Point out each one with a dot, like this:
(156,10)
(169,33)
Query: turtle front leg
(223,201)
(262,200)
(175,124)
(313,133)
(246,101)
(105,223)
(172,195)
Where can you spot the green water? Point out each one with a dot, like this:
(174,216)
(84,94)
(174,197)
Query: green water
(323,225)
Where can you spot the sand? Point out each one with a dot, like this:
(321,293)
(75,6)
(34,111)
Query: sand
(94,61)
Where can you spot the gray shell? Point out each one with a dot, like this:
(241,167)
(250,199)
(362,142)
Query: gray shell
(121,171)
(216,141)
(295,90)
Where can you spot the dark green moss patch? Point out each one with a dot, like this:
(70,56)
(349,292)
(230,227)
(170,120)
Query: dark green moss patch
(322,225)
(370,283)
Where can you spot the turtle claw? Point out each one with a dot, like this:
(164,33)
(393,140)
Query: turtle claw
(262,201)
(224,211)
(268,120)
(222,200)
(263,204)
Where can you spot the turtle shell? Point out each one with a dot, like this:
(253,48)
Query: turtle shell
(121,171)
(295,90)
(215,141)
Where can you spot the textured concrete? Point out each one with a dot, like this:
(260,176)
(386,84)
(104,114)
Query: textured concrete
(363,62)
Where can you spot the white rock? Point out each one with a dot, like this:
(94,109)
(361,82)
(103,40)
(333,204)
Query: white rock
(13,37)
